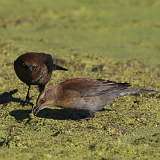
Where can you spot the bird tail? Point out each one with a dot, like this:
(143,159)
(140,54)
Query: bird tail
(137,91)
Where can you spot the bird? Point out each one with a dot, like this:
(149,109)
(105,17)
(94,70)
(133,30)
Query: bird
(84,94)
(34,68)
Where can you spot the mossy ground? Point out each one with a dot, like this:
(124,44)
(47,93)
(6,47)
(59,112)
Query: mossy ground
(109,39)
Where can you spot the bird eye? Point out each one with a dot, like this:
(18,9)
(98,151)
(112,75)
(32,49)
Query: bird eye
(42,101)
(23,64)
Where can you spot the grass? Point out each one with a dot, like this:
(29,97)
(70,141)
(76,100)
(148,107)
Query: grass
(120,36)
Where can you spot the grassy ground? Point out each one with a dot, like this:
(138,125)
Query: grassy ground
(110,39)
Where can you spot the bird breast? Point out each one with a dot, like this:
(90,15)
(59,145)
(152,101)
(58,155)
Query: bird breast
(72,99)
(40,75)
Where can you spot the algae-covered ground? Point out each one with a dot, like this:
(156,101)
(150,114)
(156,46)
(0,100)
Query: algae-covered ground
(110,39)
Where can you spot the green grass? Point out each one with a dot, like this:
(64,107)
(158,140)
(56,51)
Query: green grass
(121,35)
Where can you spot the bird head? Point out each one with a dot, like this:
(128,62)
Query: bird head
(46,99)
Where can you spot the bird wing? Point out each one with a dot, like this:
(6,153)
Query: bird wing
(90,87)
(43,58)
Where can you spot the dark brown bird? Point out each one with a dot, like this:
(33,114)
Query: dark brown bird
(84,94)
(35,69)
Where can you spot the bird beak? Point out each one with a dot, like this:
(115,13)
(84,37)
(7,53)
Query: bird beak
(36,109)
(57,67)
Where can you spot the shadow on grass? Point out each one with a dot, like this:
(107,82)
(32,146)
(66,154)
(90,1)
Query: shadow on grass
(57,114)
(20,114)
(7,97)
(63,114)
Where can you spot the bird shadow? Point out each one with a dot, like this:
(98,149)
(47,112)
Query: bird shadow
(20,114)
(7,97)
(64,114)
(57,114)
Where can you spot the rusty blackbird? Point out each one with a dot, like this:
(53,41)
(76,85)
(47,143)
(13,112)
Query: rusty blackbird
(35,69)
(84,94)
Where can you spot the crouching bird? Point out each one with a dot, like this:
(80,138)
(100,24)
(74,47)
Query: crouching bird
(35,69)
(84,94)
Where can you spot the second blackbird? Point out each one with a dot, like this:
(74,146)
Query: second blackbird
(35,69)
(85,94)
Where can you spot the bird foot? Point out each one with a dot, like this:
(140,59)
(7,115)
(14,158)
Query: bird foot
(35,110)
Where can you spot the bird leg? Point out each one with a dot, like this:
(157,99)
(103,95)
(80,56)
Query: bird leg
(28,98)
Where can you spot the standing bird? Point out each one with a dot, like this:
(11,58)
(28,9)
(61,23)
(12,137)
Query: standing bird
(35,69)
(84,94)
